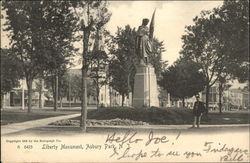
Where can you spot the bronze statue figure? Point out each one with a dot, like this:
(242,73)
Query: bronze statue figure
(144,40)
(143,44)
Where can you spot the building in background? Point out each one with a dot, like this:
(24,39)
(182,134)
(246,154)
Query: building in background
(107,95)
(232,98)
(236,98)
(19,96)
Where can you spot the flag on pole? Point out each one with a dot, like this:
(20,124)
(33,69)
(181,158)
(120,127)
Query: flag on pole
(152,26)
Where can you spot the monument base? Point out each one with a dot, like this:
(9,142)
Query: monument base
(145,87)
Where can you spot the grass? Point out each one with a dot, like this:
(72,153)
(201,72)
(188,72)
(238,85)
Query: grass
(168,116)
(9,116)
(154,116)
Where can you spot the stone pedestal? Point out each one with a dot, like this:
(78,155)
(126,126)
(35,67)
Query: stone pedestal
(145,87)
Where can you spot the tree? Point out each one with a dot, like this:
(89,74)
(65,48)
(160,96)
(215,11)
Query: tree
(11,73)
(98,69)
(75,87)
(232,17)
(163,97)
(63,86)
(99,59)
(88,17)
(39,89)
(23,22)
(219,41)
(183,79)
(55,87)
(70,86)
(201,45)
(156,57)
(223,85)
(119,82)
(59,26)
(122,64)
(41,35)
(124,60)
(233,33)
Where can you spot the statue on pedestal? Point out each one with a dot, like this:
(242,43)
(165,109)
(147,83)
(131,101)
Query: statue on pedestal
(145,83)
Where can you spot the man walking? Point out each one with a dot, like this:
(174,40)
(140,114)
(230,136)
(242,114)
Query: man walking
(198,110)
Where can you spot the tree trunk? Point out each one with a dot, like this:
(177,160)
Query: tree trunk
(84,99)
(56,93)
(69,92)
(97,95)
(207,97)
(183,102)
(40,91)
(40,99)
(132,97)
(86,34)
(2,98)
(52,80)
(60,94)
(29,86)
(60,102)
(110,96)
(97,70)
(123,97)
(220,96)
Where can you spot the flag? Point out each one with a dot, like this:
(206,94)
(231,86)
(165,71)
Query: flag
(152,26)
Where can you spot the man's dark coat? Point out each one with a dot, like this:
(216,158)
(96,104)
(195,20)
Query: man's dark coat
(199,108)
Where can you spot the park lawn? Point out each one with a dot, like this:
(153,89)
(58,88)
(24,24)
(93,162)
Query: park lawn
(167,116)
(153,116)
(9,116)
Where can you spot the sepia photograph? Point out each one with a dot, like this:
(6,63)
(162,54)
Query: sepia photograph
(124,81)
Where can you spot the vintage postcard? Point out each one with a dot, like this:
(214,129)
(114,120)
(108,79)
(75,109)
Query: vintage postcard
(125,81)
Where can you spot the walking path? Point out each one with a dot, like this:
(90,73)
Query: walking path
(16,127)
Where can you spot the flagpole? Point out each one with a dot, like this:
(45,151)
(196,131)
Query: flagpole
(151,27)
